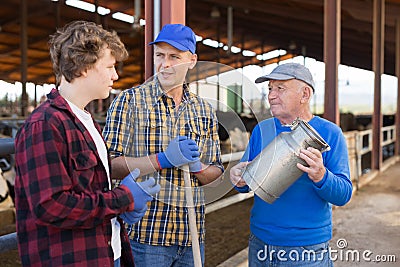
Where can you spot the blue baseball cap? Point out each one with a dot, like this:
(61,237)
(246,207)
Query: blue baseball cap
(179,36)
(289,71)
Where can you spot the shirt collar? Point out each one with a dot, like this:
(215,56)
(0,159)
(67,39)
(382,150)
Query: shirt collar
(56,99)
(159,93)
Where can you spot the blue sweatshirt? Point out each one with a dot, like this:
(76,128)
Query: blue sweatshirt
(302,215)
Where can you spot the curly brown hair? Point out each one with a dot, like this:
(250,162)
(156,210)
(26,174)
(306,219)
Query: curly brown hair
(78,45)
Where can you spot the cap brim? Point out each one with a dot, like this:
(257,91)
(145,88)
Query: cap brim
(170,42)
(274,76)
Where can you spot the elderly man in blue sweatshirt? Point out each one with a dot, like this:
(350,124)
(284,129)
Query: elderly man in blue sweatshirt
(295,229)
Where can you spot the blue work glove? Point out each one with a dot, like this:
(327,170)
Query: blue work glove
(142,192)
(180,151)
(195,167)
(132,217)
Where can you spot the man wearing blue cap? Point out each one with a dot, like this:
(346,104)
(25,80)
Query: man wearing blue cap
(158,127)
(295,229)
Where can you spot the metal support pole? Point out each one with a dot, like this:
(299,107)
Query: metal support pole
(24,56)
(377,66)
(173,11)
(156,18)
(137,12)
(148,37)
(35,97)
(398,86)
(230,27)
(331,59)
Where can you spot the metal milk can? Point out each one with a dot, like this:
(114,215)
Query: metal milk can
(274,169)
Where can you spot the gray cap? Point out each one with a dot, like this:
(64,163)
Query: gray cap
(289,71)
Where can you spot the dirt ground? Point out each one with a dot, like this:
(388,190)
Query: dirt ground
(227,232)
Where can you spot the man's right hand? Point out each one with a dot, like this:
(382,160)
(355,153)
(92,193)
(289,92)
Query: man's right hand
(236,173)
(180,151)
(142,192)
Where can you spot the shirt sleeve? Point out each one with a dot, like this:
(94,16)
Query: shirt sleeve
(213,154)
(336,186)
(119,119)
(42,169)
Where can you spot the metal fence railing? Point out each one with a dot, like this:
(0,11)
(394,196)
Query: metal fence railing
(6,146)
(8,242)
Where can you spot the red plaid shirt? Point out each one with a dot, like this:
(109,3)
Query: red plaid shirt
(63,203)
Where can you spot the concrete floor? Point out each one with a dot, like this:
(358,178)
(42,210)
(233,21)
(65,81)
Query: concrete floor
(366,230)
(368,225)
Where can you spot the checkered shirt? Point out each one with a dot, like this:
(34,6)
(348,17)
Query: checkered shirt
(142,121)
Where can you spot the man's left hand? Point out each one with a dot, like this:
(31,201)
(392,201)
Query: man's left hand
(313,157)
(132,217)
